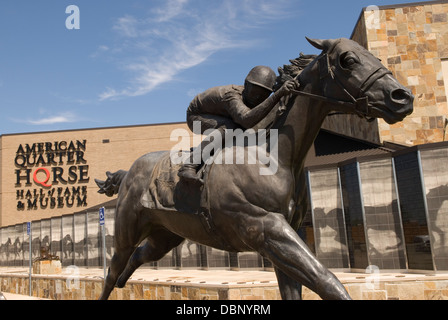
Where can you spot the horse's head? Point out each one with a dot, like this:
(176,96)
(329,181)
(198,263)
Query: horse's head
(67,239)
(350,73)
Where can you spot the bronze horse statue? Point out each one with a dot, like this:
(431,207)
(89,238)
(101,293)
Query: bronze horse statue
(252,212)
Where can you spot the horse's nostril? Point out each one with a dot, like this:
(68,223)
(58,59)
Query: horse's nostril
(401,96)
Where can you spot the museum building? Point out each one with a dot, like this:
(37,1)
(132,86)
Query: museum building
(378,193)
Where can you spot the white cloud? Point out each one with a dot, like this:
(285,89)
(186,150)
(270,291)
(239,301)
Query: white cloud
(181,34)
(100,50)
(109,93)
(126,26)
(172,9)
(65,117)
(193,92)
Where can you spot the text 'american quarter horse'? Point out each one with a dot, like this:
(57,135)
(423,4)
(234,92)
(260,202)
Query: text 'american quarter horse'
(237,209)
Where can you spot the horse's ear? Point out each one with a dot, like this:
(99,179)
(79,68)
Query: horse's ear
(320,44)
(316,43)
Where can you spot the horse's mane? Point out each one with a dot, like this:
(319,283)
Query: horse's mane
(291,71)
(288,72)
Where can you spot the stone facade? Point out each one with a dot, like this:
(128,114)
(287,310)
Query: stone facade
(412,42)
(58,288)
(47,267)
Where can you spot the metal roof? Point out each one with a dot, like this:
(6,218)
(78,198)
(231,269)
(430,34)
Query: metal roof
(331,148)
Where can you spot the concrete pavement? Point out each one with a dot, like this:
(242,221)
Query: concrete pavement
(388,284)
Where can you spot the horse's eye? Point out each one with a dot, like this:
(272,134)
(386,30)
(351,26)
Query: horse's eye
(348,60)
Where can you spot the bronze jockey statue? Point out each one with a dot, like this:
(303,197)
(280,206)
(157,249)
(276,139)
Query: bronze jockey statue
(232,107)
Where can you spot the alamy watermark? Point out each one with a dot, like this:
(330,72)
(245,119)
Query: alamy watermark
(373,280)
(73,21)
(238,147)
(373,17)
(73,276)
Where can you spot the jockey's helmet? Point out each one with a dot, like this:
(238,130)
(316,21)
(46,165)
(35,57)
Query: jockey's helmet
(262,76)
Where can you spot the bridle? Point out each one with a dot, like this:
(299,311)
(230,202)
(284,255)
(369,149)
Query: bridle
(360,105)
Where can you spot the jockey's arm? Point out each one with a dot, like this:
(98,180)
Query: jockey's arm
(247,117)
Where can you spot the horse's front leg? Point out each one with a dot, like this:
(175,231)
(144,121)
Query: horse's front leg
(274,239)
(289,288)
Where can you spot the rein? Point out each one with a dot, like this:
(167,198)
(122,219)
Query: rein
(360,106)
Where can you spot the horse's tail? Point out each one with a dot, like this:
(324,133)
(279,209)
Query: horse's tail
(111,186)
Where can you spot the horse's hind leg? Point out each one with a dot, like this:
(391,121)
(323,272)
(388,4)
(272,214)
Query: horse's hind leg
(157,245)
(117,264)
(127,235)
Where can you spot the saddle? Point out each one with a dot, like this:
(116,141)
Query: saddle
(166,191)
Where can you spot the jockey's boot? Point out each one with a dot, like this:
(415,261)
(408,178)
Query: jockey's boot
(188,172)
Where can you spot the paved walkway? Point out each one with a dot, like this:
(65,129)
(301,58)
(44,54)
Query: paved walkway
(12,296)
(231,277)
(169,275)
(224,277)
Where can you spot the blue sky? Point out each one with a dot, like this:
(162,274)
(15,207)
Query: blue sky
(142,61)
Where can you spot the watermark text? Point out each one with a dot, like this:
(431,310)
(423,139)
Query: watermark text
(254,147)
(73,21)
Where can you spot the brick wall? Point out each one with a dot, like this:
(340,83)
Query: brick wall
(106,149)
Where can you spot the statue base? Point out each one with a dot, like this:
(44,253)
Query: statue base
(47,267)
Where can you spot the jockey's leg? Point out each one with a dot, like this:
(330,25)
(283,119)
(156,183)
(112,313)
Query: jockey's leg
(208,147)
